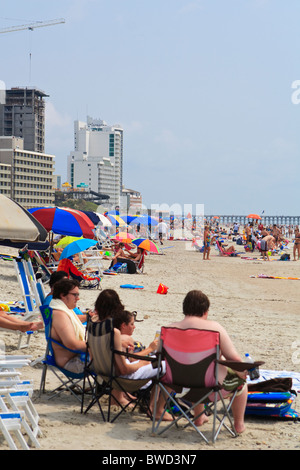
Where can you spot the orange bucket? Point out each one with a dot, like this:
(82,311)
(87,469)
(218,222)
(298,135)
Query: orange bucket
(162,289)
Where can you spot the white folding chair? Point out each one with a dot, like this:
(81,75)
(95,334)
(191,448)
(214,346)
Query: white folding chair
(11,422)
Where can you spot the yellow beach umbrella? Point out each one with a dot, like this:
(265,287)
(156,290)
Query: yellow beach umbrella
(67,240)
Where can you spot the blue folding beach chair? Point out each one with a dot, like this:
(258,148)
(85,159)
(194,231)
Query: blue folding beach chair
(69,381)
(32,293)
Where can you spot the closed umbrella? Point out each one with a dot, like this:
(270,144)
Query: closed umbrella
(17,224)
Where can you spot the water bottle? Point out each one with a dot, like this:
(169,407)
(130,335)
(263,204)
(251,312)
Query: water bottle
(253,373)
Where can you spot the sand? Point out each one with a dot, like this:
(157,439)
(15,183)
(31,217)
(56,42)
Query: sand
(261,316)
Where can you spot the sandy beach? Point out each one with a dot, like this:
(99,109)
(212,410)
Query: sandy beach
(261,316)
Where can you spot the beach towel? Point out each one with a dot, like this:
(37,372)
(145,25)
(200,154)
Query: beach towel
(131,286)
(265,276)
(57,304)
(273,394)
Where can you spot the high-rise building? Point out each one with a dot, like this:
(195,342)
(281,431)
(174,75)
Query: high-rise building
(97,159)
(25,176)
(23,115)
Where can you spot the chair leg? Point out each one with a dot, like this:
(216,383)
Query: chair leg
(12,422)
(226,414)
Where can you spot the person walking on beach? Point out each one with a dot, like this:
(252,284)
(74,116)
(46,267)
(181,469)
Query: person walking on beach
(162,230)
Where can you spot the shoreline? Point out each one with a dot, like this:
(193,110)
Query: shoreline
(261,316)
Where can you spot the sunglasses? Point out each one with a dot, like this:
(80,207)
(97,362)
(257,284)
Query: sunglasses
(135,315)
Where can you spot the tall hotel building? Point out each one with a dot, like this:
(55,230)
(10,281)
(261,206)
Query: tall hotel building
(26,172)
(97,159)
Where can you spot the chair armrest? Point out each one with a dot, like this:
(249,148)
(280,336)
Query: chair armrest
(240,366)
(136,356)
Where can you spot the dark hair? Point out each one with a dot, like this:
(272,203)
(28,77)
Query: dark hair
(195,303)
(57,276)
(63,287)
(122,316)
(108,302)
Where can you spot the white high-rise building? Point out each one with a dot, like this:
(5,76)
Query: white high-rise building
(97,159)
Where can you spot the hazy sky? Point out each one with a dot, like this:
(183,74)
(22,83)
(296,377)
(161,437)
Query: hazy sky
(203,90)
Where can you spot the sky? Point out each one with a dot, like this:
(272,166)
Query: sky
(207,92)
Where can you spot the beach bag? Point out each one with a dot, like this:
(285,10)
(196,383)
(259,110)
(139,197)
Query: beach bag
(122,268)
(285,257)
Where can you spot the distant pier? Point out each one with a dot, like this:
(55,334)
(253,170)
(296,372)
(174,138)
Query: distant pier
(265,219)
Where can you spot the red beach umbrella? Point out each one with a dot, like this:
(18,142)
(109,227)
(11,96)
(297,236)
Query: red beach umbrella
(253,216)
(63,221)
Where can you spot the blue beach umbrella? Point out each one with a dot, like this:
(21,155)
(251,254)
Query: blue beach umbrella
(143,220)
(77,247)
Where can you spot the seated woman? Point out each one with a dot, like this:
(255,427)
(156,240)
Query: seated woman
(124,368)
(137,255)
(121,257)
(119,253)
(57,252)
(229,249)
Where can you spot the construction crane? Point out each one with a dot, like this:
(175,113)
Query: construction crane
(32,26)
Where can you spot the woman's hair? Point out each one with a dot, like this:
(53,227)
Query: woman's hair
(63,287)
(108,302)
(122,316)
(195,303)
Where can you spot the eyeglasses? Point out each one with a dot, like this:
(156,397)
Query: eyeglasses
(74,293)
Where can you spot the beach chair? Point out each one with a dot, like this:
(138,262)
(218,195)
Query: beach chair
(19,402)
(12,422)
(86,282)
(192,359)
(222,252)
(140,263)
(68,381)
(91,260)
(42,266)
(101,377)
(32,293)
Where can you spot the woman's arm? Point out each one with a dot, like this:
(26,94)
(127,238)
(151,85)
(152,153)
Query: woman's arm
(124,368)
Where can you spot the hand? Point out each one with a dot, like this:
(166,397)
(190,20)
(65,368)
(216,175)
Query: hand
(243,374)
(153,345)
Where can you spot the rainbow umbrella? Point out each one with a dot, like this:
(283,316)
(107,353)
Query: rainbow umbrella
(146,244)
